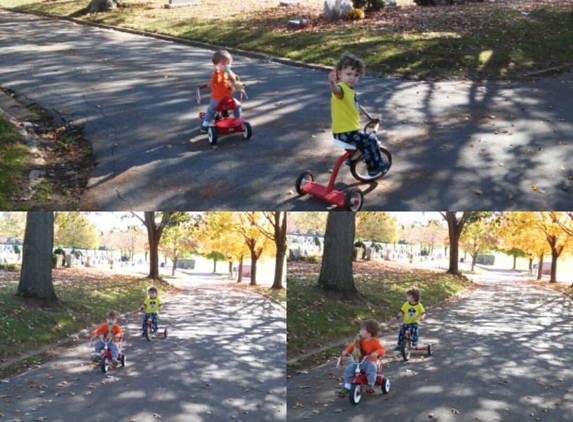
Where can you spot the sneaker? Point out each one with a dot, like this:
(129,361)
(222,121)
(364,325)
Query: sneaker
(204,129)
(370,389)
(343,392)
(96,358)
(397,349)
(414,344)
(114,363)
(375,173)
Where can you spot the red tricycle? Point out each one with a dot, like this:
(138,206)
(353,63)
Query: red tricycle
(406,347)
(353,199)
(148,330)
(105,354)
(224,124)
(360,380)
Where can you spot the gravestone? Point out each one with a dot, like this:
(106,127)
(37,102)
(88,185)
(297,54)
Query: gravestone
(337,9)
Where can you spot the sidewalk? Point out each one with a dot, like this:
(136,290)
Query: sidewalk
(463,145)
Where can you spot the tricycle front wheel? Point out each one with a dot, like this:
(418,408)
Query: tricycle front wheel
(355,394)
(359,169)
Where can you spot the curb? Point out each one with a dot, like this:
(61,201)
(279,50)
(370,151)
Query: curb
(71,338)
(385,326)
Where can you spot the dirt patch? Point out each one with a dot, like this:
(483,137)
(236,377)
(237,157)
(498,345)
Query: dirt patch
(61,162)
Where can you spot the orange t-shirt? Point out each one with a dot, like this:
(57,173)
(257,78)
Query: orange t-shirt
(369,346)
(220,85)
(102,329)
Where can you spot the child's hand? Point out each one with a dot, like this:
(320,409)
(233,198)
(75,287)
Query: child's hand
(344,353)
(374,355)
(332,77)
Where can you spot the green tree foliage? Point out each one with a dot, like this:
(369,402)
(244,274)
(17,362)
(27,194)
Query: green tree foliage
(13,224)
(74,230)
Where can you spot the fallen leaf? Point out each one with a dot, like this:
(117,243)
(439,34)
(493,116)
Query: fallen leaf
(157,416)
(297,404)
(535,188)
(455,411)
(338,410)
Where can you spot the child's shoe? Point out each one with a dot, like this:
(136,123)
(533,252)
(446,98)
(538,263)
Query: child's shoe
(114,363)
(370,389)
(343,391)
(96,358)
(414,344)
(397,348)
(204,128)
(376,172)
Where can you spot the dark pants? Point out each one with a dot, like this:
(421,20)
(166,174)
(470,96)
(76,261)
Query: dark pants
(367,143)
(413,328)
(153,319)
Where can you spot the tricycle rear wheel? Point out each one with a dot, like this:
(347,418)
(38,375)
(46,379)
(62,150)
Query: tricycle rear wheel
(353,200)
(385,385)
(212,133)
(247,130)
(302,179)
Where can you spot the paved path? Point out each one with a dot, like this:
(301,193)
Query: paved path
(134,95)
(223,360)
(501,354)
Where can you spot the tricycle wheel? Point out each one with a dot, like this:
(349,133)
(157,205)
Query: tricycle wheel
(430,350)
(355,394)
(165,333)
(123,360)
(302,179)
(405,349)
(353,200)
(146,334)
(104,365)
(247,130)
(385,385)
(359,169)
(212,133)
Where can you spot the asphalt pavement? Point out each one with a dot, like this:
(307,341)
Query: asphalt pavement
(223,359)
(502,353)
(472,145)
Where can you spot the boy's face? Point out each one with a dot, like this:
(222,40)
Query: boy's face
(223,64)
(111,321)
(410,299)
(152,294)
(349,76)
(364,333)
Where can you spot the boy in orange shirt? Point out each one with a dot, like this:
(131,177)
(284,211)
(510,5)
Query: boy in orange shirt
(109,329)
(221,86)
(369,346)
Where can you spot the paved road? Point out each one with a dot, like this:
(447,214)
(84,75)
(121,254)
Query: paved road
(223,360)
(502,354)
(134,96)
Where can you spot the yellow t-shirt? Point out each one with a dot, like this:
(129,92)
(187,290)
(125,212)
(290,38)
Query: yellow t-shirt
(412,313)
(345,112)
(152,305)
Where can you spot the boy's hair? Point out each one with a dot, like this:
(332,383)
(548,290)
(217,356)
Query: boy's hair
(152,289)
(350,60)
(371,326)
(415,293)
(111,315)
(221,55)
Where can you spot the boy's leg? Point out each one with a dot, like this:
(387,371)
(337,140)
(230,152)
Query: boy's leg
(348,375)
(368,144)
(154,319)
(402,333)
(98,346)
(144,324)
(370,369)
(414,331)
(114,348)
(209,113)
(237,110)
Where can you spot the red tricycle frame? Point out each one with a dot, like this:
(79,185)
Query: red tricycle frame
(360,380)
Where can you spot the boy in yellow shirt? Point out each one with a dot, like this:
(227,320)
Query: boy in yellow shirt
(345,112)
(413,312)
(151,307)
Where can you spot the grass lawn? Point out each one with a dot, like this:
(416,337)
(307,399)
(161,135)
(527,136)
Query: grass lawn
(86,297)
(313,319)
(474,40)
(14,158)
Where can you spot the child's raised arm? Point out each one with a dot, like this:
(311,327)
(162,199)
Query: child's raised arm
(336,90)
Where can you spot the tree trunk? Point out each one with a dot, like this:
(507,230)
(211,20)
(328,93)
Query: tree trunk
(240,276)
(214,266)
(280,227)
(174,266)
(514,262)
(36,274)
(154,232)
(540,269)
(455,228)
(230,270)
(554,257)
(474,260)
(336,268)
(254,259)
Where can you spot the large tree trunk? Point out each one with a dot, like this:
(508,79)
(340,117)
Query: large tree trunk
(474,260)
(254,259)
(154,232)
(554,257)
(455,228)
(336,269)
(240,276)
(514,262)
(230,270)
(36,275)
(280,227)
(174,266)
